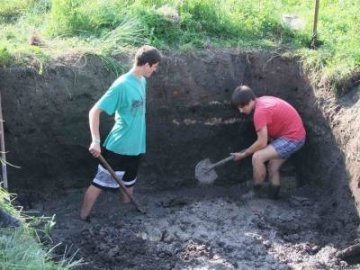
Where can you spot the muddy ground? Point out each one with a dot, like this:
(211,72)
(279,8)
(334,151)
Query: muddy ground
(204,227)
(189,118)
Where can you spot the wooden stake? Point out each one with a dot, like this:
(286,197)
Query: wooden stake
(3,151)
(313,44)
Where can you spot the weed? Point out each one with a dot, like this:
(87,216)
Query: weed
(5,56)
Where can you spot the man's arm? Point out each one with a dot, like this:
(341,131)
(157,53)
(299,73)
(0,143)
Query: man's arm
(94,123)
(260,143)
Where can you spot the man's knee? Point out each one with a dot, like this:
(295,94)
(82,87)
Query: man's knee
(257,159)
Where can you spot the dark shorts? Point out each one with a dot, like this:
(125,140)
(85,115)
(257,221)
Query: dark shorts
(285,147)
(125,167)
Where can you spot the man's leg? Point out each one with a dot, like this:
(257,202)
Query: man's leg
(274,176)
(91,194)
(131,165)
(273,169)
(125,198)
(258,161)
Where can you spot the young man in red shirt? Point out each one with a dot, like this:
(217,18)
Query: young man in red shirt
(280,133)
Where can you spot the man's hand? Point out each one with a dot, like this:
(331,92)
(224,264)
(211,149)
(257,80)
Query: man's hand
(239,155)
(94,122)
(95,149)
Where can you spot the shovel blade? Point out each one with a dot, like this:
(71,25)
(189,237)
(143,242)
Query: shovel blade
(204,172)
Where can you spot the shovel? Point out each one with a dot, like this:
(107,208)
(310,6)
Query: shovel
(204,170)
(122,187)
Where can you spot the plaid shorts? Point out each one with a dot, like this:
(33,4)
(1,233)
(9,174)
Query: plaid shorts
(125,168)
(285,147)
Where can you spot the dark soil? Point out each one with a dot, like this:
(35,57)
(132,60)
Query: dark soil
(189,118)
(204,227)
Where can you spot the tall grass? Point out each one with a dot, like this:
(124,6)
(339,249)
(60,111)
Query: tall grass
(19,250)
(79,17)
(20,247)
(11,10)
(105,26)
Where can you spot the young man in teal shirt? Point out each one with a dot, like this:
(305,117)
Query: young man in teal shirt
(125,99)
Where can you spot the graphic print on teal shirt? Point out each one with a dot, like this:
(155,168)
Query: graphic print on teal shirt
(126,99)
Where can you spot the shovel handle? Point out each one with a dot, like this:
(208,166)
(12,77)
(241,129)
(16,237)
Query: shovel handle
(122,187)
(221,162)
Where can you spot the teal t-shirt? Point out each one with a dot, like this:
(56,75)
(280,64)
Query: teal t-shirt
(126,99)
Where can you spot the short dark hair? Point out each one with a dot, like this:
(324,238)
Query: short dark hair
(242,95)
(147,54)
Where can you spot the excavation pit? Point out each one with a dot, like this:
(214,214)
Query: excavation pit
(189,118)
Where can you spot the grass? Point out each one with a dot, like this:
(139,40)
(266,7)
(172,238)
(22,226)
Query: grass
(20,246)
(5,203)
(20,250)
(104,27)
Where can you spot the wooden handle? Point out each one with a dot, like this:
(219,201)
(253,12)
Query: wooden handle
(221,162)
(123,188)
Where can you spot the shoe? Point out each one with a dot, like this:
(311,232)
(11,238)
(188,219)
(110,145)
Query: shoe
(259,190)
(87,219)
(273,192)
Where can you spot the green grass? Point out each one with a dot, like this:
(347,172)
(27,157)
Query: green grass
(105,27)
(5,203)
(11,10)
(21,248)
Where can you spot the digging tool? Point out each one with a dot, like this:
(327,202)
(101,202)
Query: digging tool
(204,170)
(122,187)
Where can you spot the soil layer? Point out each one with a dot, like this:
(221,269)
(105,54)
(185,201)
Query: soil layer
(189,118)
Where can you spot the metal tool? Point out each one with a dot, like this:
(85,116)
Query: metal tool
(204,170)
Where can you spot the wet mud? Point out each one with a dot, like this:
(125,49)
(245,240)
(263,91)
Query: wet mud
(204,227)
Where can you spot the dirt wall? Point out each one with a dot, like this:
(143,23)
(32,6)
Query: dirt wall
(188,115)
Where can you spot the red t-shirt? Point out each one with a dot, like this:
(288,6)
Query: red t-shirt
(281,119)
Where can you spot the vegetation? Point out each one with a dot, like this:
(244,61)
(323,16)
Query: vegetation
(20,245)
(40,29)
(37,30)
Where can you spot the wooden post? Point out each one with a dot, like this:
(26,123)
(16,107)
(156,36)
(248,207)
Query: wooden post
(313,44)
(3,153)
